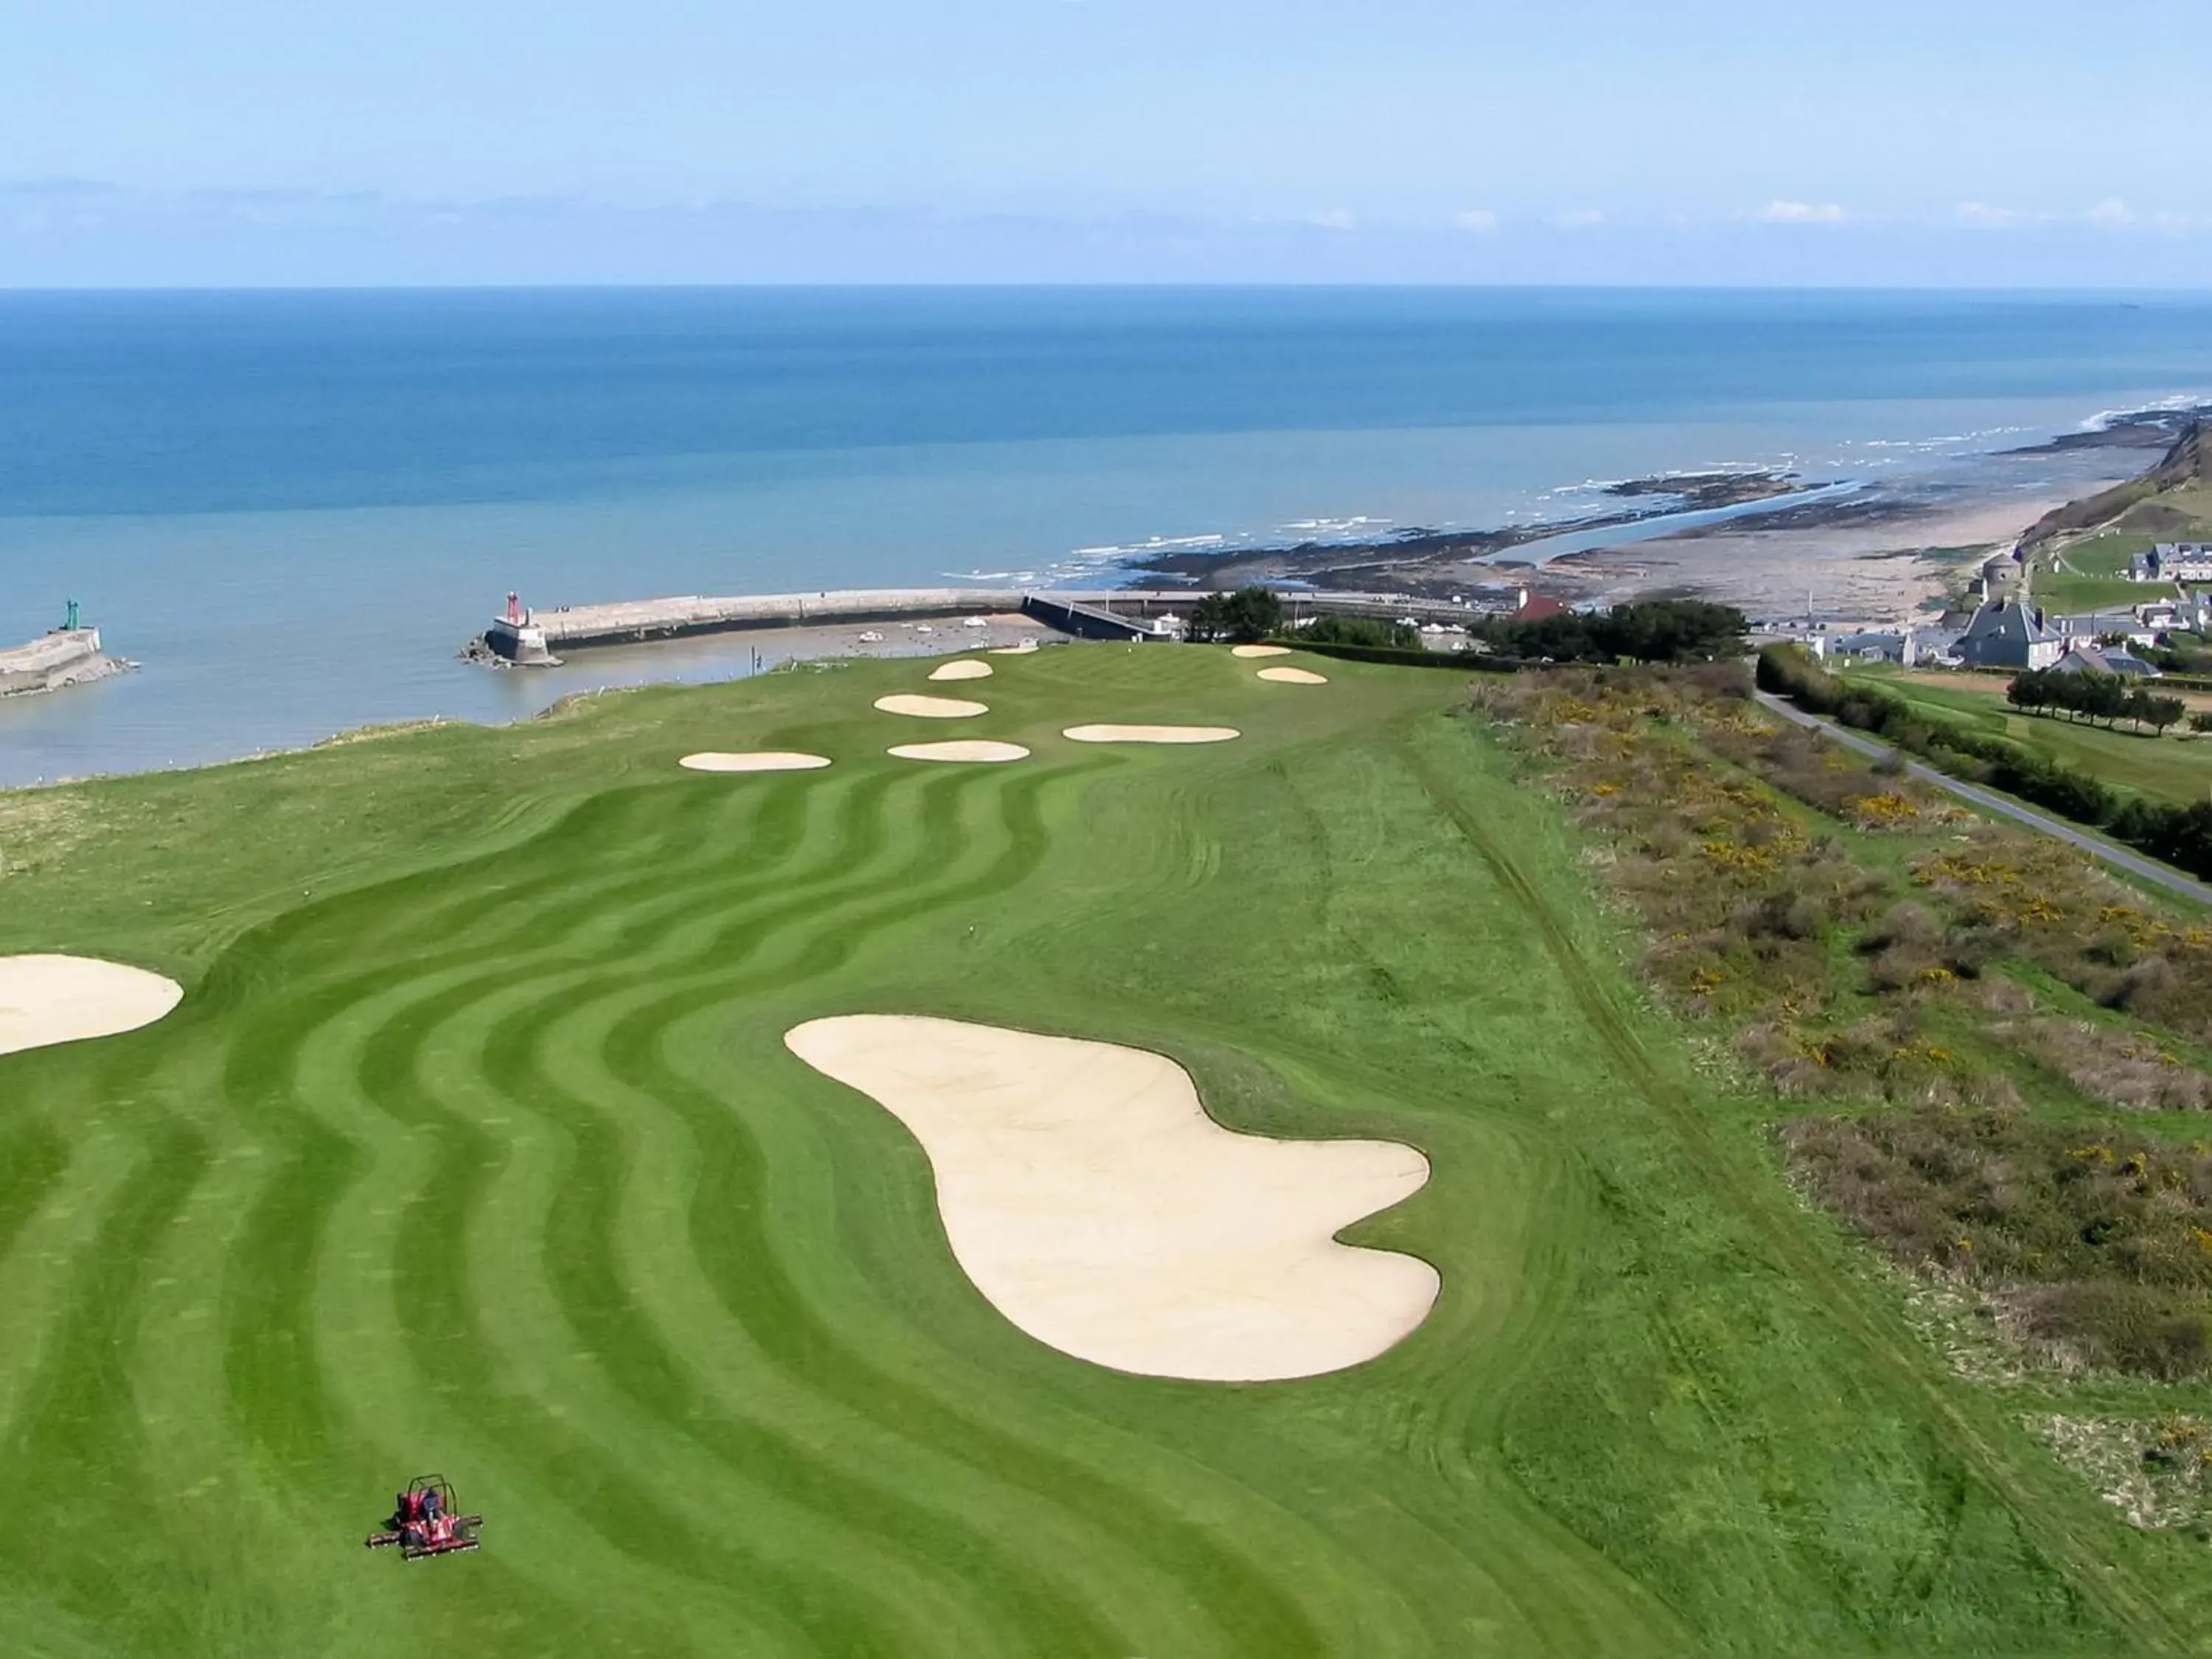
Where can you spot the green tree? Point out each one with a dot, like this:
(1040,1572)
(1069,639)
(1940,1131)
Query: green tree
(1654,630)
(2107,697)
(1245,617)
(2029,689)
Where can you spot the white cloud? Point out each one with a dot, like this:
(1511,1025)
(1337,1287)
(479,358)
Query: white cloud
(1477,219)
(1333,219)
(2111,211)
(1800,213)
(1575,219)
(1980,216)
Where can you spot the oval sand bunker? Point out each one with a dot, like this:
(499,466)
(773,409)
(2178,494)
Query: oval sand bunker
(1151,733)
(1293,676)
(44,1000)
(962,749)
(968,670)
(1259,650)
(1088,1195)
(932,708)
(764,760)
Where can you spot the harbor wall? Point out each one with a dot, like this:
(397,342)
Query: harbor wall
(636,620)
(1109,613)
(67,656)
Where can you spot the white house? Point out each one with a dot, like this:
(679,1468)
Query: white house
(2173,561)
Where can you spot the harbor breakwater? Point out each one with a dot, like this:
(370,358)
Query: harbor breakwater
(66,656)
(528,638)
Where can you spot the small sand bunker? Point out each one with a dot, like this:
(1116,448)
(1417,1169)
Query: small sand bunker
(1026,648)
(932,708)
(1151,733)
(962,749)
(967,669)
(1094,1204)
(1293,676)
(1259,650)
(760,760)
(45,999)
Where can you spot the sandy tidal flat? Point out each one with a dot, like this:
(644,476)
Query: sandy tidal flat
(979,750)
(1093,1202)
(1151,733)
(762,760)
(931,708)
(1882,559)
(45,999)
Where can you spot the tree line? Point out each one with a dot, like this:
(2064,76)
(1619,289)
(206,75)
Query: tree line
(2107,697)
(1650,631)
(2180,834)
(1647,631)
(1252,614)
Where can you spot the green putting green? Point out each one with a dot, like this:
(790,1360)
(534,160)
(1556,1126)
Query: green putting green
(475,1149)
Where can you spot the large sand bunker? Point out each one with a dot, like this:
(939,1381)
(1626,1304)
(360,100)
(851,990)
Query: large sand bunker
(961,748)
(1088,1195)
(1259,650)
(932,708)
(1293,676)
(966,669)
(1026,648)
(46,999)
(1151,733)
(760,760)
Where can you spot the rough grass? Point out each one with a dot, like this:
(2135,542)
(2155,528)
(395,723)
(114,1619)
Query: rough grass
(473,1148)
(2127,1069)
(2094,1242)
(1883,959)
(2034,899)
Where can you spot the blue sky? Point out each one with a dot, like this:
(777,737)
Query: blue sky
(1940,143)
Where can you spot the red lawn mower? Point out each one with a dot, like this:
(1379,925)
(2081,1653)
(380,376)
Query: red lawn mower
(428,1522)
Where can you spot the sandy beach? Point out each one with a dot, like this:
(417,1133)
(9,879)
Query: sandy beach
(1895,551)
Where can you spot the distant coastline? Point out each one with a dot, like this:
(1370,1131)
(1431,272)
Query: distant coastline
(1757,535)
(1331,564)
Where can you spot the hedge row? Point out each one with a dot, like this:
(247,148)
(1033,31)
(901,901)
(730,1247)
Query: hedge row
(2182,835)
(1467,662)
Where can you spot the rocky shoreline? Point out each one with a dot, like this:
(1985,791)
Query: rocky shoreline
(1410,560)
(1883,548)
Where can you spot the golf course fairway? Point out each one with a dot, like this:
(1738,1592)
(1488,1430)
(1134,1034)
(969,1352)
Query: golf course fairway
(474,1148)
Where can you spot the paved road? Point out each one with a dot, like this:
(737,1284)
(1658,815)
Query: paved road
(1989,800)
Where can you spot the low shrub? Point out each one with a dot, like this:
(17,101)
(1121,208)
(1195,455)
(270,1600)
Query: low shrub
(1376,632)
(2126,1069)
(2095,1243)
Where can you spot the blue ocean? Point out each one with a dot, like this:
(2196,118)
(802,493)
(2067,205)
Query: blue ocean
(292,508)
